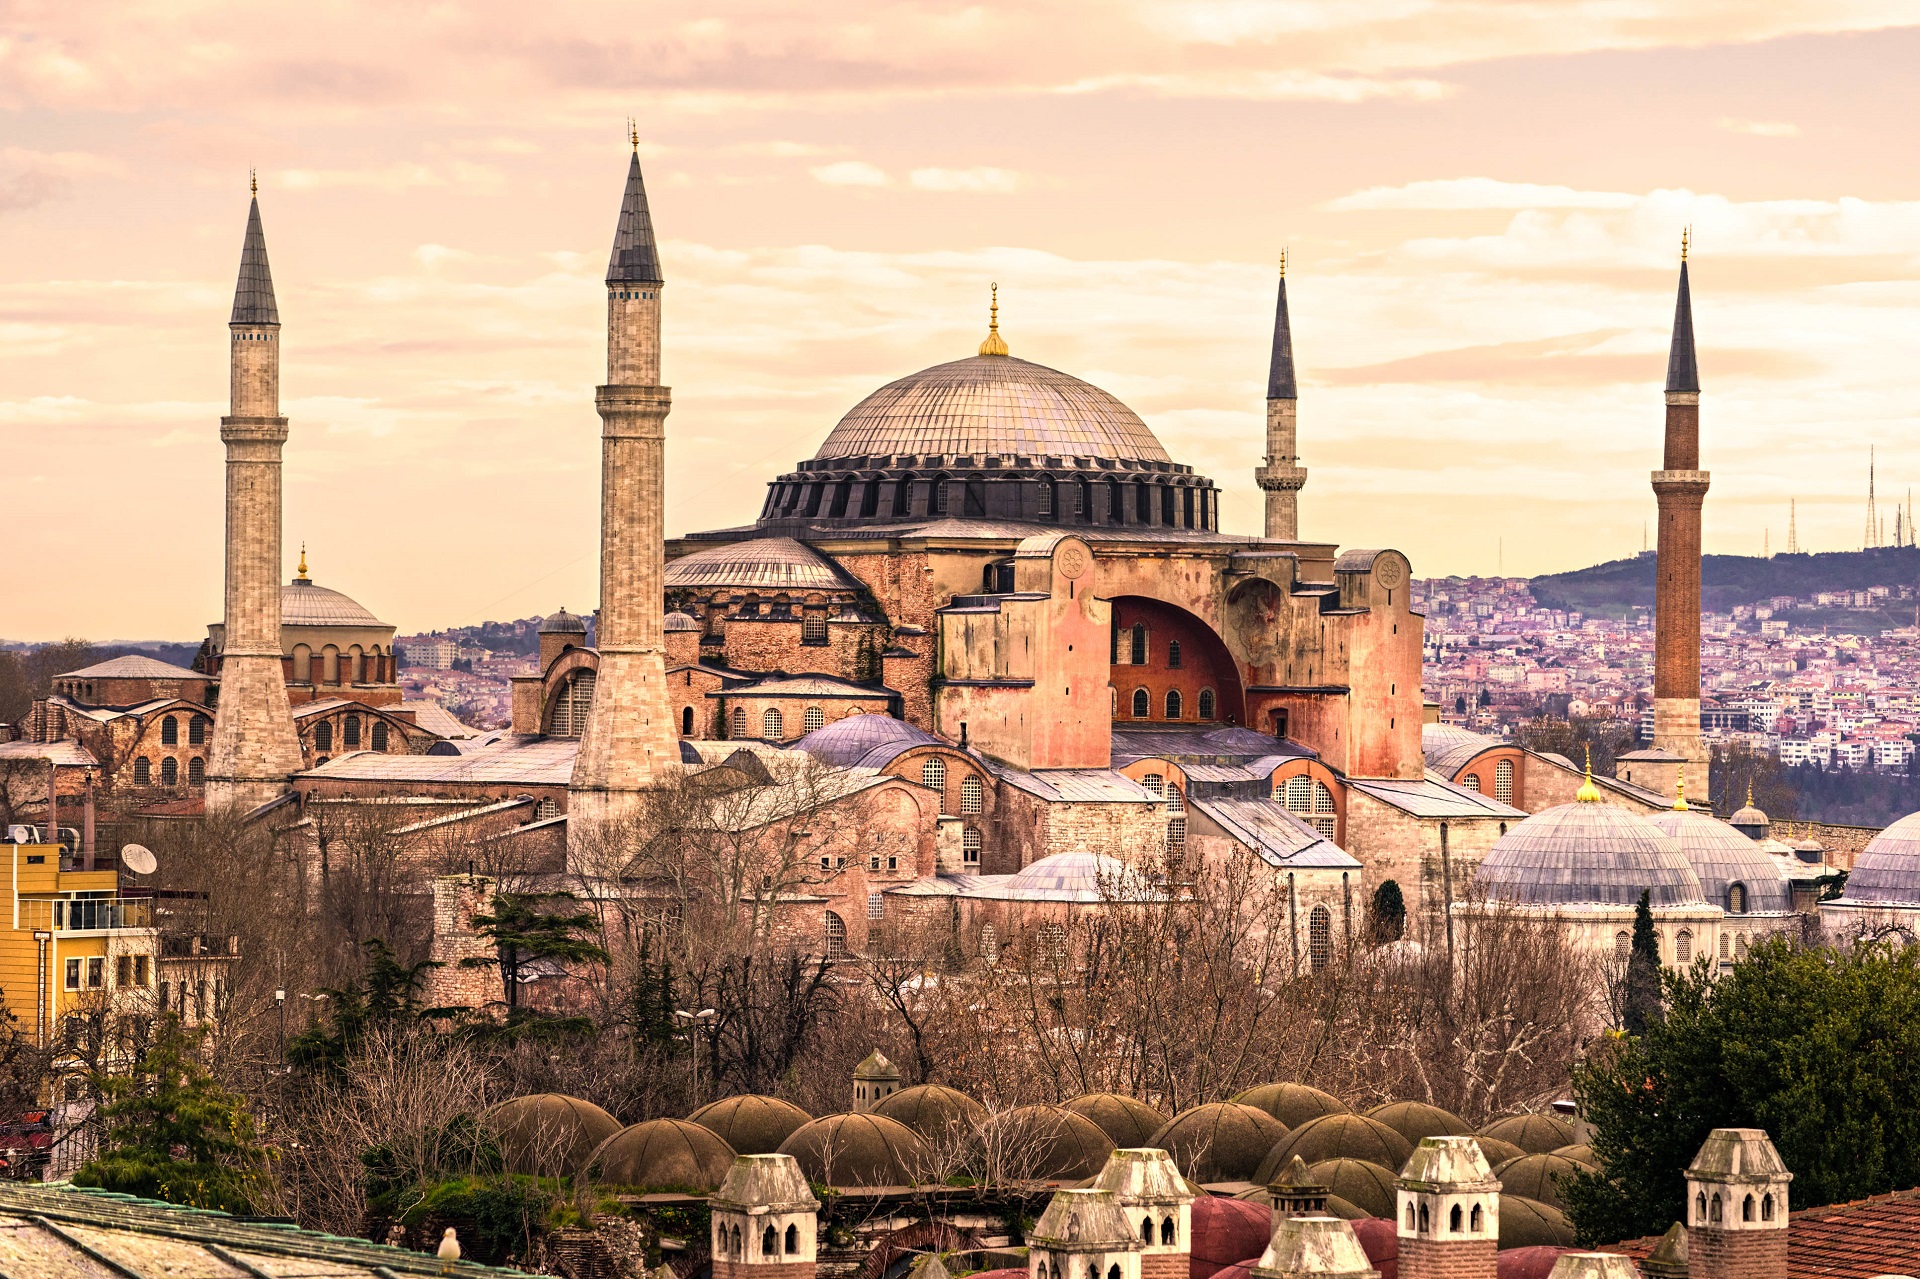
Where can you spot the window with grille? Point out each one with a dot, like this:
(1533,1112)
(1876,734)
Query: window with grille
(1503,781)
(1683,947)
(169,731)
(1156,785)
(1726,945)
(142,771)
(323,736)
(971,797)
(379,735)
(739,721)
(1173,703)
(934,773)
(196,770)
(1323,799)
(815,719)
(169,771)
(1737,898)
(570,708)
(1176,833)
(1173,654)
(1142,704)
(548,809)
(1622,944)
(352,727)
(1046,497)
(772,724)
(1176,800)
(1137,649)
(989,945)
(1053,942)
(1471,781)
(940,497)
(1319,937)
(876,905)
(813,627)
(1299,795)
(970,846)
(1206,703)
(836,936)
(197,731)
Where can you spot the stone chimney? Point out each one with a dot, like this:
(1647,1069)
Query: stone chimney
(766,1222)
(456,900)
(1737,1208)
(874,1079)
(1153,1196)
(1083,1234)
(1324,1247)
(1449,1212)
(1296,1194)
(1669,1259)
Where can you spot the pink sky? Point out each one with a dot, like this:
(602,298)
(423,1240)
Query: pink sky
(1482,203)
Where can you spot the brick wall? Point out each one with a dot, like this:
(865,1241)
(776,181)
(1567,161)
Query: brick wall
(1735,1254)
(456,900)
(1447,1259)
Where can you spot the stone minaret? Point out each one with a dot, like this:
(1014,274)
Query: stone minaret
(629,738)
(254,750)
(1680,486)
(1737,1207)
(1280,473)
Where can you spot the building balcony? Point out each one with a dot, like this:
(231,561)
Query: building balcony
(106,913)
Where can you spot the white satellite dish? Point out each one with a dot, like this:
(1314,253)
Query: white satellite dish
(139,859)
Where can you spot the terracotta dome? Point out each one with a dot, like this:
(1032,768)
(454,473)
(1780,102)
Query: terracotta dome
(548,1134)
(750,1123)
(1293,1104)
(1337,1137)
(1047,1143)
(1366,1185)
(1538,1177)
(935,1112)
(1226,1231)
(1496,1150)
(1579,1152)
(1528,1223)
(1381,1241)
(1527,1263)
(1128,1122)
(1535,1134)
(1415,1119)
(664,1154)
(1222,1141)
(857,1150)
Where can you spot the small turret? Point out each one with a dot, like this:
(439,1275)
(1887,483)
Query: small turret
(1321,1247)
(1150,1191)
(874,1080)
(1296,1194)
(1083,1234)
(1737,1207)
(766,1221)
(1449,1211)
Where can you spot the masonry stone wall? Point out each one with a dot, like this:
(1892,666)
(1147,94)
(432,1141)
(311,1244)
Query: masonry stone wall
(1401,847)
(456,900)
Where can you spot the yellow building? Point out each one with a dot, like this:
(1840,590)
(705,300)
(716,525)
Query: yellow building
(72,942)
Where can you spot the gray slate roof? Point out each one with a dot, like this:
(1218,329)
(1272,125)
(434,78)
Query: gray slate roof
(1195,745)
(1448,747)
(1887,872)
(304,604)
(635,259)
(864,741)
(1275,835)
(132,666)
(1683,370)
(1587,854)
(764,563)
(1721,855)
(253,295)
(1435,796)
(1280,383)
(516,758)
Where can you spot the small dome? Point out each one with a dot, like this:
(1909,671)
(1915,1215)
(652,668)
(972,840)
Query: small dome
(857,1150)
(563,623)
(1293,1104)
(876,1065)
(1721,856)
(864,741)
(1337,1137)
(1448,747)
(1497,1151)
(760,564)
(1415,1119)
(1360,1182)
(751,1124)
(1080,876)
(1226,1231)
(1579,1152)
(548,1134)
(1222,1141)
(1586,853)
(304,604)
(1535,1134)
(1747,815)
(1128,1122)
(1540,1177)
(664,1154)
(1887,871)
(677,622)
(1047,1143)
(1528,1223)
(935,1112)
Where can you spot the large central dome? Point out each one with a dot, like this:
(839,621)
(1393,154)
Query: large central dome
(992,405)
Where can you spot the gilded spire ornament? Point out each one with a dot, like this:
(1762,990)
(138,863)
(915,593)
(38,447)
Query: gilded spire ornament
(995,344)
(253,181)
(303,563)
(1588,792)
(1680,793)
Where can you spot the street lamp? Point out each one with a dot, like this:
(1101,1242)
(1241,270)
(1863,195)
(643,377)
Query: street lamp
(693,1021)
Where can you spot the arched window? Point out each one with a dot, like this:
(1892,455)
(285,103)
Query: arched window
(1146,1230)
(870,497)
(1453,1219)
(1424,1221)
(302,664)
(169,771)
(1155,784)
(1471,781)
(1410,1224)
(972,797)
(939,495)
(1726,945)
(379,735)
(1319,937)
(1503,781)
(1113,1271)
(1737,899)
(1766,1208)
(769,1243)
(903,496)
(836,936)
(1167,1232)
(1046,499)
(1323,799)
(352,733)
(1142,704)
(989,945)
(1137,650)
(772,724)
(197,731)
(323,735)
(1622,944)
(1206,703)
(1082,505)
(1746,1208)
(169,731)
(1299,793)
(933,773)
(1173,654)
(572,705)
(1477,1222)
(1700,1208)
(1053,942)
(970,846)
(1713,1208)
(793,1239)
(142,772)
(686,722)
(196,771)
(814,719)
(1683,947)
(329,665)
(739,721)
(1173,703)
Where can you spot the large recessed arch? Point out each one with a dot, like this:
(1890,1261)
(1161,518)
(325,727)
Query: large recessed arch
(1204,666)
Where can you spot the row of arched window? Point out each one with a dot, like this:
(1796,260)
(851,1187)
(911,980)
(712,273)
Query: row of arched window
(1125,501)
(728,1242)
(1502,781)
(169,771)
(1310,799)
(354,666)
(1206,705)
(1731,941)
(1708,1212)
(1421,1221)
(349,734)
(198,726)
(1139,650)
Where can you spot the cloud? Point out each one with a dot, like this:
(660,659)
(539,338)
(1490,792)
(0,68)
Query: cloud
(1479,193)
(29,178)
(850,173)
(1760,128)
(1254,85)
(980,179)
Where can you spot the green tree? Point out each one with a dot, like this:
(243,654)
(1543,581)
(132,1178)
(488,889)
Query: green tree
(1387,916)
(1819,1047)
(387,994)
(521,931)
(1640,986)
(173,1133)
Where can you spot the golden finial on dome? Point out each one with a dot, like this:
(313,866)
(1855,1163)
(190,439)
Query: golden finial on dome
(1680,793)
(1749,792)
(1588,792)
(303,563)
(995,344)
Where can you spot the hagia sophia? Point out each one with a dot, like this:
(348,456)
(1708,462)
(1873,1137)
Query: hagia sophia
(1002,633)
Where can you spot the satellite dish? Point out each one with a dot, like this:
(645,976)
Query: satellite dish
(139,859)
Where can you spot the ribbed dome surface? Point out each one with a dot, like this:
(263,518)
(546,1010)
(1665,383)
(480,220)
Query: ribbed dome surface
(1220,1141)
(864,741)
(1293,1104)
(1587,854)
(1720,856)
(1128,1122)
(304,604)
(664,1154)
(762,563)
(750,1123)
(1888,868)
(857,1150)
(548,1134)
(563,623)
(1080,876)
(936,1112)
(992,404)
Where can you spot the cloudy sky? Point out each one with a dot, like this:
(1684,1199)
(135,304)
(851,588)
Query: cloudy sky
(1482,202)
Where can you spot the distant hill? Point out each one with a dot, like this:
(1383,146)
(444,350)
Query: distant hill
(1614,588)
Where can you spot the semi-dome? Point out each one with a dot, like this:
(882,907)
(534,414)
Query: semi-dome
(1887,872)
(1722,857)
(1128,1122)
(1293,1104)
(864,741)
(1448,746)
(679,621)
(761,564)
(752,1124)
(1587,854)
(992,405)
(1220,1141)
(563,623)
(664,1154)
(1080,876)
(304,604)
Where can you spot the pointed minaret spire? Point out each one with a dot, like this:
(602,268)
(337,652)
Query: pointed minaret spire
(253,295)
(1683,371)
(635,260)
(1280,474)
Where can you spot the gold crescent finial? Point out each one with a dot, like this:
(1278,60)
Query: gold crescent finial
(1686,240)
(1680,793)
(1588,792)
(995,344)
(253,181)
(303,561)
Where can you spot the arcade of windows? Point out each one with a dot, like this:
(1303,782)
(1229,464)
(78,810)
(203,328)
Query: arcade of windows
(1125,502)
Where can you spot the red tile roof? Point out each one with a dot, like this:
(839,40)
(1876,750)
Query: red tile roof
(1858,1240)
